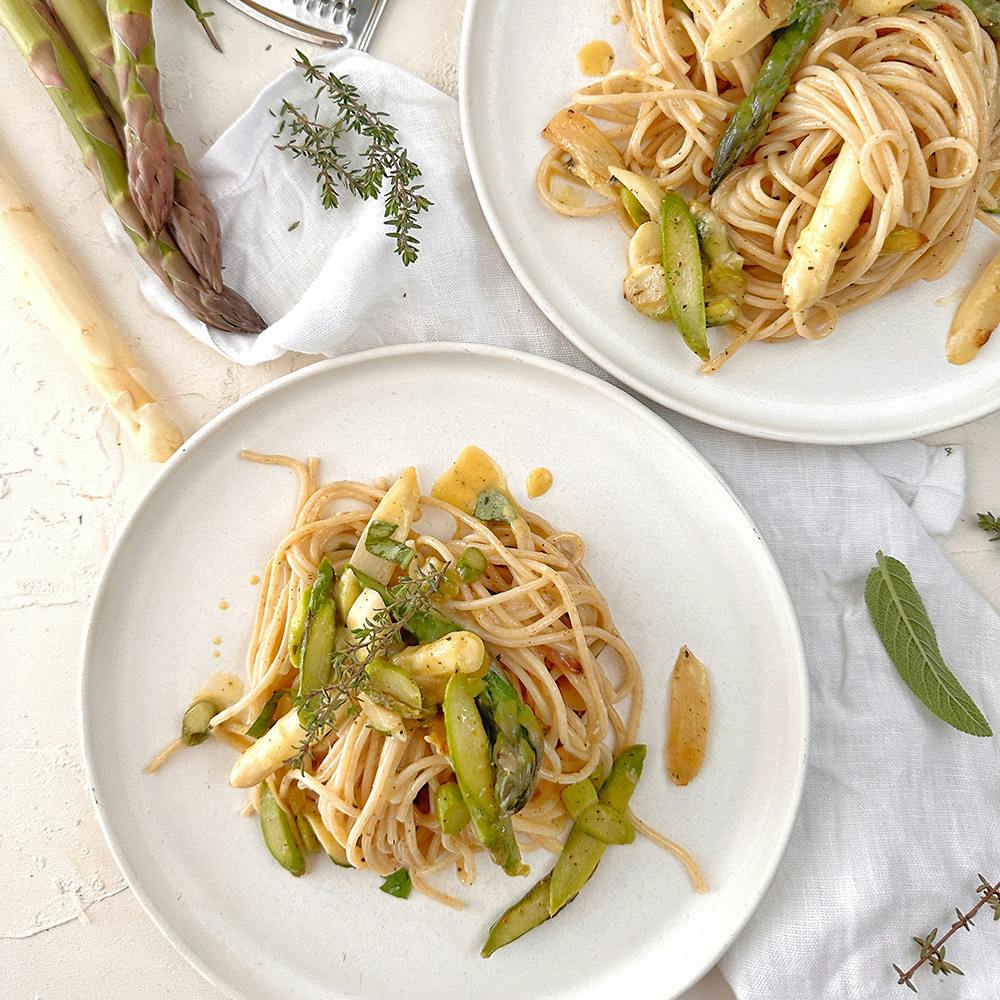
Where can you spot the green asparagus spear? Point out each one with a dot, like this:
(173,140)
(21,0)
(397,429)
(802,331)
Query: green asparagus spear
(579,797)
(582,853)
(682,267)
(319,632)
(193,221)
(263,722)
(527,913)
(534,907)
(751,118)
(606,825)
(988,14)
(516,738)
(150,167)
(469,751)
(450,809)
(195,724)
(724,273)
(30,25)
(276,827)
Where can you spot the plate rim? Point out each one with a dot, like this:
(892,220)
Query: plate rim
(89,739)
(746,425)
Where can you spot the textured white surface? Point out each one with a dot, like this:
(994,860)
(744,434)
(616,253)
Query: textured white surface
(67,481)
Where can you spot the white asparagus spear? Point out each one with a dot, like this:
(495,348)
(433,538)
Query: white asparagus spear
(977,317)
(41,273)
(843,201)
(741,25)
(877,8)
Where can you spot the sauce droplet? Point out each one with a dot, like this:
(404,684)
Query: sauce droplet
(223,605)
(216,639)
(539,481)
(254,580)
(595,58)
(215,652)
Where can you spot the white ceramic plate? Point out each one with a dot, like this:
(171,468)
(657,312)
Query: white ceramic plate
(880,376)
(677,557)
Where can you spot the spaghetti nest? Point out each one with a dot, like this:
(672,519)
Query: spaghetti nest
(914,94)
(543,621)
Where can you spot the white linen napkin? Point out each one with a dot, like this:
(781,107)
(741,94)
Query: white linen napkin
(899,811)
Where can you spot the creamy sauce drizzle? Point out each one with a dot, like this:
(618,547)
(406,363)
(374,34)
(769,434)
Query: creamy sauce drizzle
(539,481)
(224,689)
(595,58)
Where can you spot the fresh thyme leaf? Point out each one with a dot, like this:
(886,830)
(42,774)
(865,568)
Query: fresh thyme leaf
(379,542)
(495,505)
(907,634)
(292,226)
(991,523)
(202,17)
(410,602)
(385,170)
(398,884)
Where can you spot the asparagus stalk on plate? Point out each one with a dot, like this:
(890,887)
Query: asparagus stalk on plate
(752,116)
(40,41)
(193,222)
(47,279)
(150,165)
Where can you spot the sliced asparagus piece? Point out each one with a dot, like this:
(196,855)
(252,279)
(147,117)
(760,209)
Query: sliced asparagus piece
(517,740)
(682,267)
(276,827)
(741,25)
(751,118)
(582,853)
(977,316)
(195,724)
(527,913)
(319,632)
(469,752)
(844,198)
(450,809)
(534,907)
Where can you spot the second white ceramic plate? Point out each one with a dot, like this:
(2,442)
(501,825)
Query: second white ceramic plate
(676,556)
(880,376)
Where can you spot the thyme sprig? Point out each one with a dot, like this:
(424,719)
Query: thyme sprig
(991,523)
(202,17)
(379,638)
(932,950)
(385,163)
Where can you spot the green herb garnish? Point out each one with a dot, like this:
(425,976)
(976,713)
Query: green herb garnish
(495,505)
(381,637)
(991,523)
(907,634)
(384,163)
(202,17)
(398,884)
(379,542)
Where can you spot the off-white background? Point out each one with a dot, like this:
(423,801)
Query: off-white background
(68,926)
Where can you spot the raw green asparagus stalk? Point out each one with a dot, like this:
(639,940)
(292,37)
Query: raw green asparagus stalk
(30,25)
(516,738)
(150,165)
(193,222)
(988,14)
(753,115)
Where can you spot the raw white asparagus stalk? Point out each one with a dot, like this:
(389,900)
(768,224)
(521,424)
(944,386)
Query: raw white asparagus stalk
(741,25)
(843,201)
(977,317)
(40,272)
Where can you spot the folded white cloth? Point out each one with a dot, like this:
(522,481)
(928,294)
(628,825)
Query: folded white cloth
(900,811)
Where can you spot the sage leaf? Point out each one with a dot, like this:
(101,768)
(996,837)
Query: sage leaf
(907,634)
(495,505)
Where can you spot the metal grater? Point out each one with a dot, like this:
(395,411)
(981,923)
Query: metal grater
(335,23)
